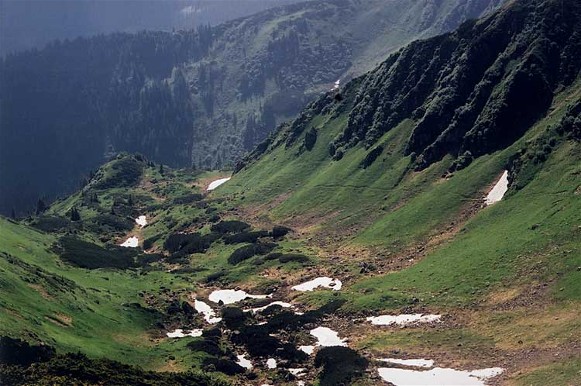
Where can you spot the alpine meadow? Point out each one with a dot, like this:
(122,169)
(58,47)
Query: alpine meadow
(328,192)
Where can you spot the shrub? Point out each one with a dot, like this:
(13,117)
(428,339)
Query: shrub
(245,237)
(123,172)
(341,365)
(279,231)
(19,352)
(148,243)
(208,346)
(371,157)
(225,366)
(248,251)
(290,257)
(93,256)
(51,223)
(116,223)
(310,138)
(233,317)
(187,199)
(184,244)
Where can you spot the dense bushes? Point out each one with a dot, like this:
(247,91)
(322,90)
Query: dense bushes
(279,231)
(245,237)
(287,257)
(92,256)
(126,171)
(341,365)
(51,223)
(371,156)
(233,226)
(77,369)
(187,199)
(184,244)
(248,251)
(19,352)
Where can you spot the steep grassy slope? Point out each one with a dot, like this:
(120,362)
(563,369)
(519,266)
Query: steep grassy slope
(187,98)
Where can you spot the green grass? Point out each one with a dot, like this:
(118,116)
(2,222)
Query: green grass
(565,373)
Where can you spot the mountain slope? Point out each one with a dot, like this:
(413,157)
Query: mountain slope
(404,236)
(197,98)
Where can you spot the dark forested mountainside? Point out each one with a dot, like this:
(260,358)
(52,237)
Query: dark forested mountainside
(198,98)
(470,92)
(26,24)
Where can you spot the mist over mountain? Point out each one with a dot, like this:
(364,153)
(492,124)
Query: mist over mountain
(26,24)
(198,98)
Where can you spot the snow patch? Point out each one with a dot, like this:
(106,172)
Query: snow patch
(271,363)
(179,333)
(277,303)
(410,362)
(132,242)
(326,282)
(327,337)
(242,361)
(297,372)
(214,184)
(402,320)
(233,296)
(438,376)
(207,311)
(141,221)
(499,190)
(307,349)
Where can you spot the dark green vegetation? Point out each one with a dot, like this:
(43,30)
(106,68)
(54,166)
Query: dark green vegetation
(190,98)
(403,227)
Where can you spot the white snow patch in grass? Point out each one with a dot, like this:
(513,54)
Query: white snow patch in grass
(214,184)
(132,242)
(207,311)
(233,296)
(410,362)
(242,361)
(326,282)
(307,349)
(179,333)
(301,383)
(402,320)
(141,221)
(499,190)
(271,363)
(438,376)
(327,337)
(277,303)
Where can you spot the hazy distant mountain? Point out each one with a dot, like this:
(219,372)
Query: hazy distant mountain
(26,24)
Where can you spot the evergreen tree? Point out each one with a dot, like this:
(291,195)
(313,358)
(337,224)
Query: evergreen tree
(75,215)
(40,206)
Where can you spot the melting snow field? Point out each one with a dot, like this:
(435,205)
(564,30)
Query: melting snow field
(232,296)
(242,361)
(402,320)
(438,376)
(327,337)
(179,333)
(307,349)
(132,242)
(326,282)
(214,184)
(207,311)
(497,193)
(141,221)
(410,362)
